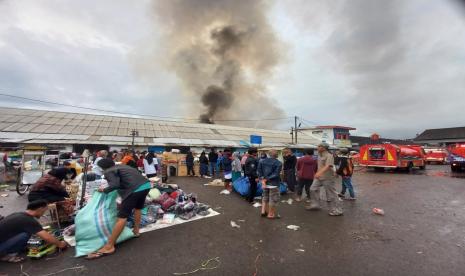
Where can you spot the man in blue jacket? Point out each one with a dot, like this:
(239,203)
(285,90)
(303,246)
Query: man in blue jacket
(269,172)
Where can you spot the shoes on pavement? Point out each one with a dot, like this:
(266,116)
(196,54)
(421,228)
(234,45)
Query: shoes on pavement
(335,213)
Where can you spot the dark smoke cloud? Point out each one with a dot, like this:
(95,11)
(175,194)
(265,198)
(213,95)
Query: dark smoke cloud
(223,52)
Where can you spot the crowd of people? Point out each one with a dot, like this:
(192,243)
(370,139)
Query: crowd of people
(309,173)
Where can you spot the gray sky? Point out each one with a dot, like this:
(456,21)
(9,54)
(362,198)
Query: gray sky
(392,67)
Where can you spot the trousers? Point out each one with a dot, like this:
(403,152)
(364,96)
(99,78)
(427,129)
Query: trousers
(347,185)
(15,244)
(330,186)
(307,183)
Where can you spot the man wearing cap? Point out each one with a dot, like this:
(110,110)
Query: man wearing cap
(325,177)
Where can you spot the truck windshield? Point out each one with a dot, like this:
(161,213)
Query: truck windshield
(377,153)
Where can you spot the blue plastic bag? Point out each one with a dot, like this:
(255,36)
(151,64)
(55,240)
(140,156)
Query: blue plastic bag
(242,186)
(95,222)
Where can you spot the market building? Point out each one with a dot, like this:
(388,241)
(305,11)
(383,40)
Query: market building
(337,136)
(442,136)
(76,131)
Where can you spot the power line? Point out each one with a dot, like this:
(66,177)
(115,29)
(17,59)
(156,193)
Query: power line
(136,114)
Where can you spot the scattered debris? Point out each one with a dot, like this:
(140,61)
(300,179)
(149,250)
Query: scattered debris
(289,201)
(235,225)
(204,266)
(4,195)
(256,205)
(256,268)
(293,227)
(216,182)
(378,211)
(260,241)
(225,192)
(241,220)
(300,250)
(419,252)
(75,268)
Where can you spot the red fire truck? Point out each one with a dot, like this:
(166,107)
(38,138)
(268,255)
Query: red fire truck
(436,155)
(381,156)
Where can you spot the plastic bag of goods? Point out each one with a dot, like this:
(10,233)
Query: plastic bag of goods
(95,222)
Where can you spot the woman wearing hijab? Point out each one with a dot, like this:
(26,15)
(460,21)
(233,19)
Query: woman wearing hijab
(150,165)
(236,167)
(49,186)
(203,164)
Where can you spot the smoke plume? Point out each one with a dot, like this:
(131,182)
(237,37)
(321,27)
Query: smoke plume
(223,52)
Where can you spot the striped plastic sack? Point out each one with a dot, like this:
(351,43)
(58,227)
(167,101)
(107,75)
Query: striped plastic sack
(95,222)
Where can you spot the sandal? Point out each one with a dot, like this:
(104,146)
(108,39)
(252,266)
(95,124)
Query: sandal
(275,217)
(12,259)
(97,255)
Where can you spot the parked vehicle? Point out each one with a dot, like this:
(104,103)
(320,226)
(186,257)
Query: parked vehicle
(33,166)
(436,155)
(381,156)
(457,157)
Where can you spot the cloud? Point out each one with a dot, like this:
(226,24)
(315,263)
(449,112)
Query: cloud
(399,63)
(392,67)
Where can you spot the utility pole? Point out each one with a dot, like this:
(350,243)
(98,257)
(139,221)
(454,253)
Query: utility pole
(295,128)
(292,135)
(134,133)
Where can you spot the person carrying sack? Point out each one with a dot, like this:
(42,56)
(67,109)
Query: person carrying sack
(133,189)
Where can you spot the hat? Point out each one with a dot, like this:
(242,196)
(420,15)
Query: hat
(105,163)
(324,145)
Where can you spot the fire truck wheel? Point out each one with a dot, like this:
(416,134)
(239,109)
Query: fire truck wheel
(409,167)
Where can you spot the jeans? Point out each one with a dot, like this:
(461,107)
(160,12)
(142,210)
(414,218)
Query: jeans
(212,169)
(304,183)
(330,187)
(15,244)
(347,185)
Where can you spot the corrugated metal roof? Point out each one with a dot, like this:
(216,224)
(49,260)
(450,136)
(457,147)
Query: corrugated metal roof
(28,124)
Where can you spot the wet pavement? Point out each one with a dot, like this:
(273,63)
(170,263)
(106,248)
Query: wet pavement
(421,233)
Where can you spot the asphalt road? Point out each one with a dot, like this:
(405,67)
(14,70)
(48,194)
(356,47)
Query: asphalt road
(422,233)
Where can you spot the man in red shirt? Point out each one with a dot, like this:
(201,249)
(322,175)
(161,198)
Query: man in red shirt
(306,169)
